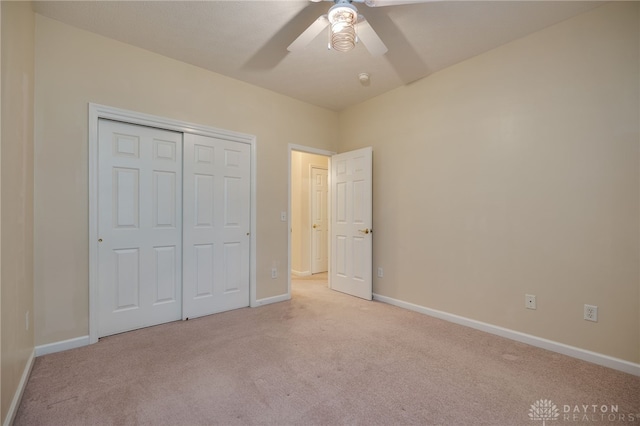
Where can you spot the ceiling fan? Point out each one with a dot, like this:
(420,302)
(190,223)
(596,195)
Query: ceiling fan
(347,27)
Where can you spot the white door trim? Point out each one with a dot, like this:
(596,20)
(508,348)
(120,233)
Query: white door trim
(96,112)
(309,150)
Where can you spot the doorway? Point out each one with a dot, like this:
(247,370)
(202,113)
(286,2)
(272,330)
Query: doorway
(308,206)
(349,216)
(319,211)
(309,212)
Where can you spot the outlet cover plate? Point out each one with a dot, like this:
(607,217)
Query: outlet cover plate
(591,313)
(530,301)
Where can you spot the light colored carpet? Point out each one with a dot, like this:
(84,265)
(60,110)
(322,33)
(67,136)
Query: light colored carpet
(322,276)
(323,358)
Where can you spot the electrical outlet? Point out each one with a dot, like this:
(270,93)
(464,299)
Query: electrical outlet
(274,272)
(380,273)
(591,313)
(530,301)
(283,216)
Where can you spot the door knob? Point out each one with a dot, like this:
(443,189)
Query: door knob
(315,226)
(364,231)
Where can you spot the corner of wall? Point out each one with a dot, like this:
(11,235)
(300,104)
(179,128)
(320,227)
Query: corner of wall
(17,61)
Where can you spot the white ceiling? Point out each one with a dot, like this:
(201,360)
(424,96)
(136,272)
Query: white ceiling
(247,40)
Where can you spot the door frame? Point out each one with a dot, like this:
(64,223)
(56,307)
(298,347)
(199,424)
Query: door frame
(308,150)
(96,112)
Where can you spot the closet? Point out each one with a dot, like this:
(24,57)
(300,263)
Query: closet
(173,225)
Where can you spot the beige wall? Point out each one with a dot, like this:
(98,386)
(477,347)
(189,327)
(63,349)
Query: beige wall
(513,172)
(16,189)
(517,172)
(301,163)
(74,67)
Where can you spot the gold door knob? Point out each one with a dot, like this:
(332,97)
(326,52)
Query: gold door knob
(315,226)
(364,231)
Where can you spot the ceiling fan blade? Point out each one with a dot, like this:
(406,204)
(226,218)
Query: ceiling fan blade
(380,3)
(273,51)
(370,38)
(401,55)
(309,34)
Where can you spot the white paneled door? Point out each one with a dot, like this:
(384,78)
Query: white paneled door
(351,221)
(320,223)
(173,226)
(139,226)
(217,192)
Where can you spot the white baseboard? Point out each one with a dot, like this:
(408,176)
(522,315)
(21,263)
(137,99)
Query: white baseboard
(572,351)
(270,300)
(301,273)
(17,397)
(62,345)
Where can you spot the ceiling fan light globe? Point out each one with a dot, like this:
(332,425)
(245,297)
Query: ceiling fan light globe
(343,42)
(343,38)
(342,35)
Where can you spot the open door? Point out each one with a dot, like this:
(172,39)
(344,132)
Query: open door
(351,221)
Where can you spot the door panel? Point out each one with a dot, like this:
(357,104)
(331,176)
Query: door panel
(216,225)
(166,285)
(203,201)
(233,267)
(139,212)
(127,283)
(351,220)
(204,270)
(234,201)
(126,204)
(164,196)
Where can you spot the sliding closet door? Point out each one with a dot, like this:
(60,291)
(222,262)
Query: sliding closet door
(139,226)
(216,225)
